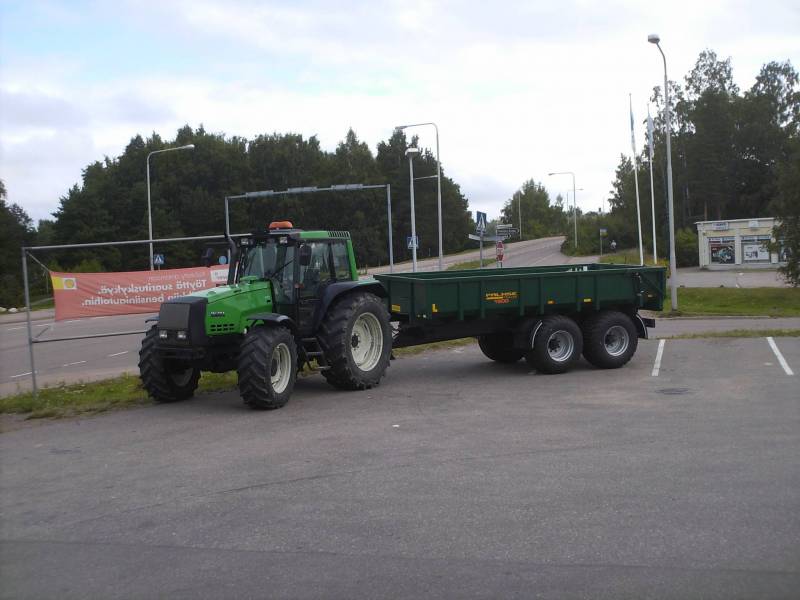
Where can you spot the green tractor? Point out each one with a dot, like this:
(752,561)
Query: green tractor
(292,297)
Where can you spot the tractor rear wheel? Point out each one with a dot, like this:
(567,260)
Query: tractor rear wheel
(500,347)
(357,340)
(165,380)
(267,367)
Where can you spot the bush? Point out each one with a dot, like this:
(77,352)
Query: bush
(686,252)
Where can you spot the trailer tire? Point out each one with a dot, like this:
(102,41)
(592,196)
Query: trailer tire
(610,339)
(499,347)
(164,380)
(557,345)
(356,337)
(267,367)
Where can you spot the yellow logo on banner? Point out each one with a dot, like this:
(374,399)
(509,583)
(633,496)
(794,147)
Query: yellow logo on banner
(501,297)
(64,283)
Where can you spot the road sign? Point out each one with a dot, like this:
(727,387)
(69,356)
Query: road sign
(507,232)
(603,231)
(499,248)
(480,221)
(412,242)
(485,238)
(158,260)
(504,226)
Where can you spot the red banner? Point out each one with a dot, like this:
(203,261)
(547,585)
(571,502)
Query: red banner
(101,294)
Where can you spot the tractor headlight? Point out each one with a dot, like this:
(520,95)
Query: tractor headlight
(162,334)
(182,335)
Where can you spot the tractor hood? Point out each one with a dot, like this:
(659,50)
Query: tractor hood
(221,310)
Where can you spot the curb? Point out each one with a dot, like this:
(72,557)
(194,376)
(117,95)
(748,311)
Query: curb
(37,315)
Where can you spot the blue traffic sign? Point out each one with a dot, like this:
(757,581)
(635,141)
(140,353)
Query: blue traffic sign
(480,221)
(158,259)
(412,242)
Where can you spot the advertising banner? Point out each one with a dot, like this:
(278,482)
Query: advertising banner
(101,294)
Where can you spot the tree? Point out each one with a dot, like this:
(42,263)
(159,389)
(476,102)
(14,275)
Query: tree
(787,210)
(17,231)
(539,217)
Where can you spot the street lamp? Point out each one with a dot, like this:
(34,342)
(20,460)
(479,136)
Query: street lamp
(438,185)
(673,268)
(411,152)
(574,202)
(149,211)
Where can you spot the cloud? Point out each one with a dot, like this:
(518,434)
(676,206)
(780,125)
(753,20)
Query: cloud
(518,89)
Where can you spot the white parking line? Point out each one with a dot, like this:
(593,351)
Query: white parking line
(14,328)
(20,375)
(778,354)
(80,362)
(118,353)
(659,354)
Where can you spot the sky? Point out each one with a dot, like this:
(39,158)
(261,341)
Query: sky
(518,89)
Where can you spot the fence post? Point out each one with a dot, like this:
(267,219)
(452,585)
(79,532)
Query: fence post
(28,318)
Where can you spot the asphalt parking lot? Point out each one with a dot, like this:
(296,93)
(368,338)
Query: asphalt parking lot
(457,477)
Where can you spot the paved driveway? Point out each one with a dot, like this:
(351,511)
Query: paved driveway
(457,477)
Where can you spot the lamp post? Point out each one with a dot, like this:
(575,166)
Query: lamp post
(574,202)
(653,38)
(438,185)
(410,153)
(149,211)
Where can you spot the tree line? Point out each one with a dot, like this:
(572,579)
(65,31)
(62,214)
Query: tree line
(735,154)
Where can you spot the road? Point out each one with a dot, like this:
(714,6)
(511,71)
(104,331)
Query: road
(674,477)
(104,357)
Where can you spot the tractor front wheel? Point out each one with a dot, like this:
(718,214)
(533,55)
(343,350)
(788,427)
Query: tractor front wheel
(267,367)
(165,380)
(357,340)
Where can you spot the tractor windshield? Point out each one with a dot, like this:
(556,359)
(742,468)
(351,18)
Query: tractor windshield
(273,261)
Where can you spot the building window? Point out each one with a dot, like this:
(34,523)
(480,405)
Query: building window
(755,249)
(722,250)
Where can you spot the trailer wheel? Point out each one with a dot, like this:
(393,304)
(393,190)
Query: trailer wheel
(499,347)
(267,367)
(165,380)
(610,339)
(557,345)
(357,340)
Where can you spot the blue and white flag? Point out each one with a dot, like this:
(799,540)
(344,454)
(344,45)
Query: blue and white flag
(633,137)
(650,130)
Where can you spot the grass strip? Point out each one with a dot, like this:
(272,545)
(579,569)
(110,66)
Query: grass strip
(125,391)
(745,302)
(737,333)
(464,266)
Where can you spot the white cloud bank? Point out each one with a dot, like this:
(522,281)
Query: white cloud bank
(517,89)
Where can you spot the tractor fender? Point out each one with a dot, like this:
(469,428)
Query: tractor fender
(273,319)
(336,290)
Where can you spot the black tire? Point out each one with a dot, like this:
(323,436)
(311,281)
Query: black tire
(557,345)
(368,314)
(610,339)
(267,367)
(165,380)
(499,347)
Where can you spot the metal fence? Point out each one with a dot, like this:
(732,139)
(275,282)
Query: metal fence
(29,250)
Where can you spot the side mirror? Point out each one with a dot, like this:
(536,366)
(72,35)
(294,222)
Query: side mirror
(207,257)
(305,255)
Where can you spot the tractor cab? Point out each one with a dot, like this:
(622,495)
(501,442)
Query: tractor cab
(299,265)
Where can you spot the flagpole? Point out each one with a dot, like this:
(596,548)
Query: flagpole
(651,143)
(636,182)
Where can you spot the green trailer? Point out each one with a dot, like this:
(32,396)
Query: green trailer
(549,315)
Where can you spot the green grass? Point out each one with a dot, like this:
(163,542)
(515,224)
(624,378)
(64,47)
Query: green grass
(65,400)
(738,333)
(463,266)
(757,302)
(125,391)
(414,350)
(630,257)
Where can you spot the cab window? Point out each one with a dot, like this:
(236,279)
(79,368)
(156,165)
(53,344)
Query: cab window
(341,261)
(318,272)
